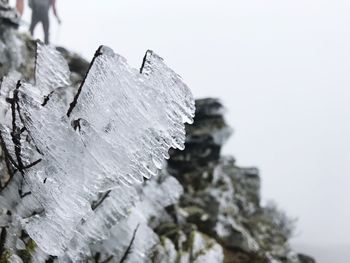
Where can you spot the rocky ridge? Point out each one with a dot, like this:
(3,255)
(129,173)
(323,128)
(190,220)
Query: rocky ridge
(222,200)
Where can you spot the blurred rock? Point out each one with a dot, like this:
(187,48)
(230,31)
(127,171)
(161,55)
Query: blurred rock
(179,245)
(306,259)
(9,18)
(222,199)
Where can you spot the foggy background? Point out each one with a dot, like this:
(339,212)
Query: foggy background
(282,70)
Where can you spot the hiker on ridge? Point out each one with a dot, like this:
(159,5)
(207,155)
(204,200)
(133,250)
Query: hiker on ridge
(40,14)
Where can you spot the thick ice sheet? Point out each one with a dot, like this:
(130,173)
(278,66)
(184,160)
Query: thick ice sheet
(117,131)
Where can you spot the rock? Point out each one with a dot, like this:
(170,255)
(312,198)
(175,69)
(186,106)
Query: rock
(305,259)
(9,18)
(77,65)
(193,247)
(204,138)
(222,199)
(205,249)
(165,251)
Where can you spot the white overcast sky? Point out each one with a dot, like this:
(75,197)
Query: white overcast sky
(282,68)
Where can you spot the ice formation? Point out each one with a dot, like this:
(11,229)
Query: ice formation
(73,167)
(150,204)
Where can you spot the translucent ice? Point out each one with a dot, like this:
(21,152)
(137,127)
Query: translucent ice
(79,164)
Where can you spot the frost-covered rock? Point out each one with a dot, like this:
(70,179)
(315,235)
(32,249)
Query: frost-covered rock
(73,168)
(180,245)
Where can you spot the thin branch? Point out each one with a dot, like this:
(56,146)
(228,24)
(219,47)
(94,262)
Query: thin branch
(32,164)
(75,100)
(20,190)
(47,98)
(2,240)
(129,248)
(108,259)
(95,205)
(97,257)
(144,61)
(51,259)
(16,132)
(8,161)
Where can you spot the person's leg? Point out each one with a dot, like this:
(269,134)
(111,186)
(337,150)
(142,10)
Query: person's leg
(46,26)
(33,23)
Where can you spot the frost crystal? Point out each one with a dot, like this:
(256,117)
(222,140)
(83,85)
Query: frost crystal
(51,71)
(151,202)
(73,167)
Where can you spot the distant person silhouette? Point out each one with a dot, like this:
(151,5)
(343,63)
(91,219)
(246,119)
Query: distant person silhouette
(40,14)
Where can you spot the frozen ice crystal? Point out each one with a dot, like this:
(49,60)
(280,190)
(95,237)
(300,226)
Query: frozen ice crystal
(51,71)
(134,229)
(76,166)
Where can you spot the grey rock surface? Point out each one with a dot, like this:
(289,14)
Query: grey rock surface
(223,200)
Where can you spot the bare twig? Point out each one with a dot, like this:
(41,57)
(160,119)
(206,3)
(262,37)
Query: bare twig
(129,248)
(99,202)
(2,240)
(75,100)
